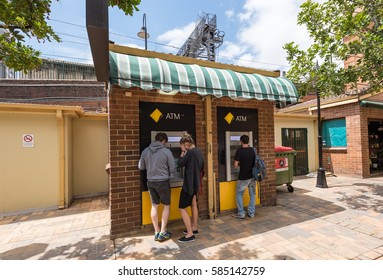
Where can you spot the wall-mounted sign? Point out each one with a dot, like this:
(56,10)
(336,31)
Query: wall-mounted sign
(28,140)
(281,164)
(229,118)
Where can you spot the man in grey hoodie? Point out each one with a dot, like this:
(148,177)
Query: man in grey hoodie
(160,167)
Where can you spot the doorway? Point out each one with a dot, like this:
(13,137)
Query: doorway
(375,146)
(297,139)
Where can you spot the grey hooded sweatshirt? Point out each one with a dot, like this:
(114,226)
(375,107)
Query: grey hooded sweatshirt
(158,162)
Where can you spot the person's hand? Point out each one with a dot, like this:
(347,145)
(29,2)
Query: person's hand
(183,149)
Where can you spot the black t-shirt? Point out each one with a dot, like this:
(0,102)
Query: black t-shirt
(245,157)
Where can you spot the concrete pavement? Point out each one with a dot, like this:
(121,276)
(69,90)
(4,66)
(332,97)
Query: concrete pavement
(344,221)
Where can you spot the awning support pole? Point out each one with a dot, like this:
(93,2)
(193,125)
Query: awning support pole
(209,160)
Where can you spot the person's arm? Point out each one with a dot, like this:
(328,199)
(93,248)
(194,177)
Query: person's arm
(236,162)
(141,162)
(184,158)
(171,163)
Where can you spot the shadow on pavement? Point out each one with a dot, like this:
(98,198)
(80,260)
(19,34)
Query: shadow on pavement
(225,237)
(362,199)
(86,249)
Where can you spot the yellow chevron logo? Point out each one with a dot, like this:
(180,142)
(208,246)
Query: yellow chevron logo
(156,115)
(229,118)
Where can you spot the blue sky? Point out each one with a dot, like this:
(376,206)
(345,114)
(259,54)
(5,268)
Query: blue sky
(255,30)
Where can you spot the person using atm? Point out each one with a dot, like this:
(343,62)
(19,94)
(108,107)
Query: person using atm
(192,160)
(244,160)
(160,167)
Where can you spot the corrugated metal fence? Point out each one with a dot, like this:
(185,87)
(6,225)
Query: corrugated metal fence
(51,70)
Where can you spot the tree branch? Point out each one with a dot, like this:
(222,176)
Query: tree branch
(15,27)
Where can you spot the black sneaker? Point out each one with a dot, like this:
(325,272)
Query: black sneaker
(195,232)
(186,239)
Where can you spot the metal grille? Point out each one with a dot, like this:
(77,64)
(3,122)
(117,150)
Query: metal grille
(297,139)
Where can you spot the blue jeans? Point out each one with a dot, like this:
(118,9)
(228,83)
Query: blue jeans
(241,187)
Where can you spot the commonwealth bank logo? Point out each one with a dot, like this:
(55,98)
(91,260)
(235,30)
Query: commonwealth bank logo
(156,115)
(229,118)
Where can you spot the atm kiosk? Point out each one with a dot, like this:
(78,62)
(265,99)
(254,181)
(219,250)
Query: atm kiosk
(174,120)
(232,124)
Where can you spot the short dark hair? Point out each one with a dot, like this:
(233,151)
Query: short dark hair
(244,139)
(161,136)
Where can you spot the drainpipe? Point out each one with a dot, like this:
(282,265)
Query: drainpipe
(61,163)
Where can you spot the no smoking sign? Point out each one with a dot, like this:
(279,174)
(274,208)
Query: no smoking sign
(28,141)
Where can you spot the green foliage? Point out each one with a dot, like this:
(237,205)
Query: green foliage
(28,18)
(339,30)
(20,19)
(128,6)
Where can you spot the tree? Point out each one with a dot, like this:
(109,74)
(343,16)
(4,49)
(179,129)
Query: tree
(347,40)
(28,18)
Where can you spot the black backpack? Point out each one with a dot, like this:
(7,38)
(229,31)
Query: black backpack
(259,168)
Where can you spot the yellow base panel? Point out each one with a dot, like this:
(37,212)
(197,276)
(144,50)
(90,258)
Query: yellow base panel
(174,211)
(227,195)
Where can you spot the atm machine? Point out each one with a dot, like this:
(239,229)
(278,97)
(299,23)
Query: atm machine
(232,144)
(173,145)
(228,187)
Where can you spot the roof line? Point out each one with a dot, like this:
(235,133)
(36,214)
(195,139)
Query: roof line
(189,60)
(310,104)
(21,107)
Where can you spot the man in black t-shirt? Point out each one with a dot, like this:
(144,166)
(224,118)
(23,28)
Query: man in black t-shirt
(244,160)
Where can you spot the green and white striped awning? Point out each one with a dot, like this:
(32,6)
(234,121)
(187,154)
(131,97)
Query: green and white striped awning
(169,77)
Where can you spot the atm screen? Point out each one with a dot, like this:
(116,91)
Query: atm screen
(174,139)
(235,138)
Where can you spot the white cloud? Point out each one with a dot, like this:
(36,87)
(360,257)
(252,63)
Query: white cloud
(229,13)
(231,50)
(176,37)
(265,26)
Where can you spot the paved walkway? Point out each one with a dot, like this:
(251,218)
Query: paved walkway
(344,221)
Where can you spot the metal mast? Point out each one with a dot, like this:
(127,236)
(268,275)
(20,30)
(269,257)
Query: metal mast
(204,40)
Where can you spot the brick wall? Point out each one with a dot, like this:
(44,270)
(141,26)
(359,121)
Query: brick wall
(347,160)
(354,160)
(125,192)
(88,94)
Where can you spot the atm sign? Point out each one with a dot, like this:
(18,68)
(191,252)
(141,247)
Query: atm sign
(173,116)
(230,117)
(157,115)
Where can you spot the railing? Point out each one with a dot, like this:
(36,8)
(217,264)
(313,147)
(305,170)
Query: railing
(51,70)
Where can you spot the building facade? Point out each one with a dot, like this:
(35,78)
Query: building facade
(141,104)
